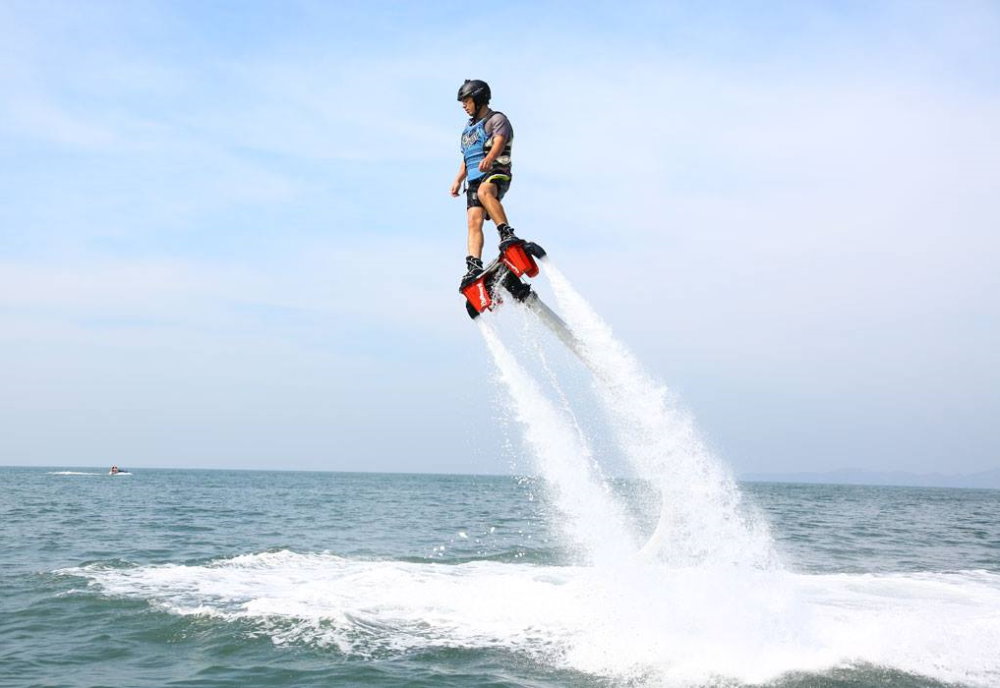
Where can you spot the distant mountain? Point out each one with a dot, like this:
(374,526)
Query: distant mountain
(857,476)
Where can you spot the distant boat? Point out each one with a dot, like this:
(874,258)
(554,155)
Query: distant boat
(115,470)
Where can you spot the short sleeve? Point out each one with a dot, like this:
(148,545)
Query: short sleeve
(499,125)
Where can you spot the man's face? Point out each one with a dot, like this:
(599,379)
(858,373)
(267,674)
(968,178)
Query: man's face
(469,106)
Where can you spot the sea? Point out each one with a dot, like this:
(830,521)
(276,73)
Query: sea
(242,578)
(619,551)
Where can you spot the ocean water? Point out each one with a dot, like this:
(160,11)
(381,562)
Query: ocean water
(219,578)
(630,557)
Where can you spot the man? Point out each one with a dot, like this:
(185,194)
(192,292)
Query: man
(486,143)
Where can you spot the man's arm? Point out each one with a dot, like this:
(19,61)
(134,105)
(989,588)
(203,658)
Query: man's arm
(497,148)
(455,185)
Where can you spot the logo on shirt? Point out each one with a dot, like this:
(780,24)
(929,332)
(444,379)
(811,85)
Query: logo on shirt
(470,138)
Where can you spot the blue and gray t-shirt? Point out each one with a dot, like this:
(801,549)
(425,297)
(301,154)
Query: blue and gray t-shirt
(477,140)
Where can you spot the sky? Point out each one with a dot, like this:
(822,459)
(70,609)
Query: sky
(226,238)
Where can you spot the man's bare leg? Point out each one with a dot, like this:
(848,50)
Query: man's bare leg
(475,217)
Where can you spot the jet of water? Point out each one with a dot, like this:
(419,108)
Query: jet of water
(702,518)
(592,520)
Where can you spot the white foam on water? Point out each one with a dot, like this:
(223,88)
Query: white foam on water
(590,518)
(703,519)
(654,625)
(71,473)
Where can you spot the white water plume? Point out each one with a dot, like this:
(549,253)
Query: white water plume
(702,518)
(591,518)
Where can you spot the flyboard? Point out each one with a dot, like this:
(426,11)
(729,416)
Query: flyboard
(516,261)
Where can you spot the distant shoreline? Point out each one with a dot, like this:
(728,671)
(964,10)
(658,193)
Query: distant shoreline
(982,480)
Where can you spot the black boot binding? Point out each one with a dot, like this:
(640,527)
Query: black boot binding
(507,236)
(474,268)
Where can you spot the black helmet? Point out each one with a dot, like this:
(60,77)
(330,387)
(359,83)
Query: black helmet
(478,90)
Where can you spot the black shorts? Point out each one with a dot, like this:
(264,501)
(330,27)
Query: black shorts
(501,180)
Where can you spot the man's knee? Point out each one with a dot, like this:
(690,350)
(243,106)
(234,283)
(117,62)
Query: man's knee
(487,190)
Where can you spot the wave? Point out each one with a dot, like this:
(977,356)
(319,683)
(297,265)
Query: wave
(640,622)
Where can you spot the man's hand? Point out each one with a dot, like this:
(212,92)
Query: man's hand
(455,185)
(485,164)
